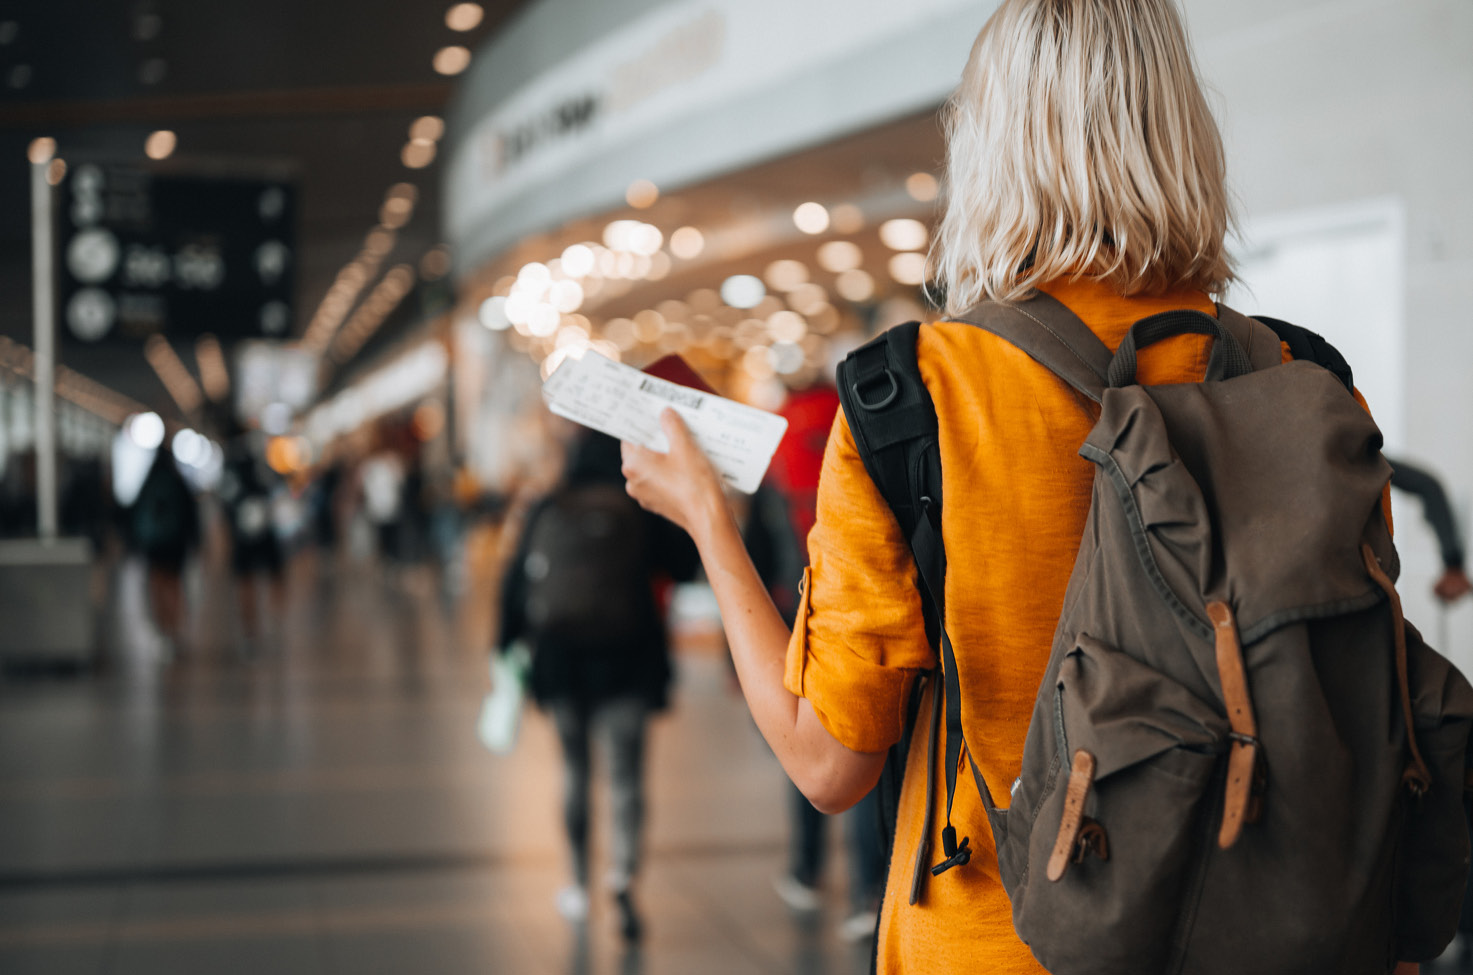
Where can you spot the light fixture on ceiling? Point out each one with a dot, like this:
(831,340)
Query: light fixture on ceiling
(811,218)
(464,16)
(41,150)
(160,144)
(452,60)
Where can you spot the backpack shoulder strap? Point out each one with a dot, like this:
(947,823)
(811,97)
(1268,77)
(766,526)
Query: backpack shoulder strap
(1051,335)
(893,420)
(1311,347)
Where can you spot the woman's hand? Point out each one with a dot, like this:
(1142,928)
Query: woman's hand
(680,485)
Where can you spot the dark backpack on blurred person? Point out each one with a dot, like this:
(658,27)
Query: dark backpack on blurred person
(587,567)
(1241,757)
(163,520)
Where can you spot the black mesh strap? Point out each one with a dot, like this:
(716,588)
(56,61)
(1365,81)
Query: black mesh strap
(1308,346)
(1228,360)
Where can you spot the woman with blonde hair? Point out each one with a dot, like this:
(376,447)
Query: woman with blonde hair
(1085,165)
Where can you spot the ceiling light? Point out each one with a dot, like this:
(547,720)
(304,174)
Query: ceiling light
(642,194)
(492,314)
(908,268)
(787,326)
(464,16)
(452,60)
(566,296)
(41,150)
(743,291)
(378,243)
(686,243)
(811,218)
(921,187)
(855,285)
(160,144)
(904,234)
(146,430)
(649,325)
(786,275)
(578,260)
(839,256)
(646,240)
(426,128)
(435,263)
(417,155)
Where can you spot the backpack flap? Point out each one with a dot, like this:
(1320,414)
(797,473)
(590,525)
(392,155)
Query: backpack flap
(1265,516)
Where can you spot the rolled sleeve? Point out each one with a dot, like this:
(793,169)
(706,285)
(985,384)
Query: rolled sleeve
(859,638)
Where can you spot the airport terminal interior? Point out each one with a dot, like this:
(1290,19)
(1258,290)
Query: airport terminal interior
(280,285)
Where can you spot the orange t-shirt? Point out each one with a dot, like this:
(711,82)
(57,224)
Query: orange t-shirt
(1017,494)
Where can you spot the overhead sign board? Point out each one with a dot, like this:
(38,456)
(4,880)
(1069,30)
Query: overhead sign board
(142,253)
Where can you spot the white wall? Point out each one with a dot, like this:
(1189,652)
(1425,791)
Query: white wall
(1337,104)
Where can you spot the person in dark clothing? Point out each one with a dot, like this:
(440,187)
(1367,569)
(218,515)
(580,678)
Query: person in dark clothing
(164,527)
(581,591)
(246,489)
(1453,584)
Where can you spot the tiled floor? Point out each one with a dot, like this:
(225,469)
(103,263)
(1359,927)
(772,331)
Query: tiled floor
(322,805)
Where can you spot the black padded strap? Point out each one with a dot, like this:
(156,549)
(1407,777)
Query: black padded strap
(1310,347)
(892,418)
(893,421)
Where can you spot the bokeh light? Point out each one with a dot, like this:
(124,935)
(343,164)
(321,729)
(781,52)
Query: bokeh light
(811,218)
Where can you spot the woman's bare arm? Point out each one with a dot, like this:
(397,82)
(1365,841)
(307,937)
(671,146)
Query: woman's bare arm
(682,486)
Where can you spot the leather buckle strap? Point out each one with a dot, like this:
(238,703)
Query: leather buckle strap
(1416,777)
(1247,774)
(1067,847)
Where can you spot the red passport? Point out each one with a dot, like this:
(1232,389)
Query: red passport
(674,369)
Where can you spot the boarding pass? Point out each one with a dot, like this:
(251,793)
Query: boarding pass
(625,403)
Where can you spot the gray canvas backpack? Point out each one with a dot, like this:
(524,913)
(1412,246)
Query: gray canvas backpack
(1241,759)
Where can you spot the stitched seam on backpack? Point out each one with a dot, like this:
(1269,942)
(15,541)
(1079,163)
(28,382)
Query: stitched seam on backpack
(1110,466)
(1051,781)
(1299,614)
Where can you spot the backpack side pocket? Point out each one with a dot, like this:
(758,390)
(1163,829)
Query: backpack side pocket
(1112,848)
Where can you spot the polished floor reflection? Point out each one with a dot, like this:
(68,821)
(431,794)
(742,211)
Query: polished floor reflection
(316,800)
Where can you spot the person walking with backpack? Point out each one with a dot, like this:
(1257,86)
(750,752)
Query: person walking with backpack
(1127,757)
(164,526)
(581,591)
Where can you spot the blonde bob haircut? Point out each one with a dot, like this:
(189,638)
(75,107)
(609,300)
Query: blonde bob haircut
(1080,145)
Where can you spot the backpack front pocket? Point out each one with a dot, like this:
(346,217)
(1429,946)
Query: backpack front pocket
(1115,848)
